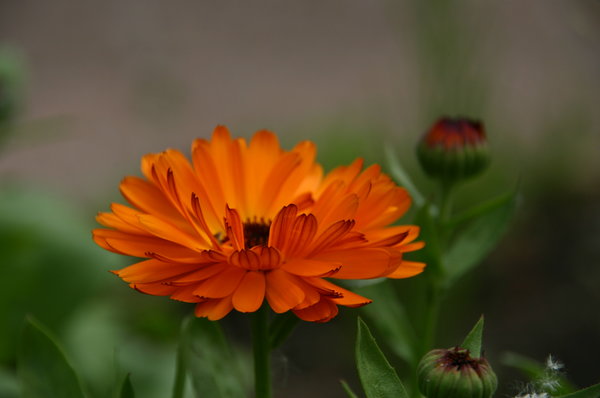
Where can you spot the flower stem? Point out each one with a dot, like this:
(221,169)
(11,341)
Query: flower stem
(262,350)
(180,368)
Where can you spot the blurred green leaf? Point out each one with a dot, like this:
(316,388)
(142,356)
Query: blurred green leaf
(479,236)
(50,259)
(214,369)
(9,387)
(473,340)
(390,318)
(378,378)
(401,176)
(43,368)
(429,233)
(347,389)
(590,392)
(126,388)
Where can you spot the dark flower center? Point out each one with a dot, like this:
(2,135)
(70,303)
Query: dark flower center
(256,232)
(459,358)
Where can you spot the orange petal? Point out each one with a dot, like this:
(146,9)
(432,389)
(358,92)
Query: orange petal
(169,232)
(214,309)
(263,153)
(271,190)
(148,198)
(333,234)
(153,271)
(282,224)
(283,292)
(154,289)
(250,294)
(343,297)
(364,263)
(201,274)
(221,285)
(186,294)
(335,205)
(140,246)
(234,227)
(301,235)
(311,295)
(270,258)
(323,311)
(246,259)
(112,221)
(407,269)
(308,267)
(208,175)
(411,247)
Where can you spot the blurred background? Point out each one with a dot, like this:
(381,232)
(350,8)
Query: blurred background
(87,88)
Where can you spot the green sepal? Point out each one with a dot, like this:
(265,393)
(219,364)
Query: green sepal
(42,366)
(473,340)
(377,376)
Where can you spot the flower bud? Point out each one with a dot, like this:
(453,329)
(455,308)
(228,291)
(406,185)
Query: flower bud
(454,149)
(453,373)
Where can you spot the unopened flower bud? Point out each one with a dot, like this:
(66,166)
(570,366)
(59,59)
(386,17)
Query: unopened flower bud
(453,373)
(454,149)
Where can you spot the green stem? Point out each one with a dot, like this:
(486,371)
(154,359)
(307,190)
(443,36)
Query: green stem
(180,369)
(433,304)
(445,203)
(262,350)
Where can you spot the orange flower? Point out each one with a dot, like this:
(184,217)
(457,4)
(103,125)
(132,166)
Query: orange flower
(247,222)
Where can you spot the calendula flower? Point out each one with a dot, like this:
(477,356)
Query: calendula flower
(244,222)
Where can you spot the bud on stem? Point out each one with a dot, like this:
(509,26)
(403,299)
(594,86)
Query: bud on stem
(453,373)
(454,149)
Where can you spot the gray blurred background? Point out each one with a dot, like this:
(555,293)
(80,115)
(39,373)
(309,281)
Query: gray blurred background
(108,81)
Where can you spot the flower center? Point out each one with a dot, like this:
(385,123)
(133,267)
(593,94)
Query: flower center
(256,232)
(460,358)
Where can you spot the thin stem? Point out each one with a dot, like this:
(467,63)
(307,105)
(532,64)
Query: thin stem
(445,202)
(431,319)
(261,347)
(180,369)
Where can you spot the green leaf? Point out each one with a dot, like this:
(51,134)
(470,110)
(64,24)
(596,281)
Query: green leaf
(401,176)
(347,389)
(590,392)
(9,387)
(378,378)
(214,370)
(42,366)
(126,388)
(479,236)
(391,320)
(431,254)
(473,340)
